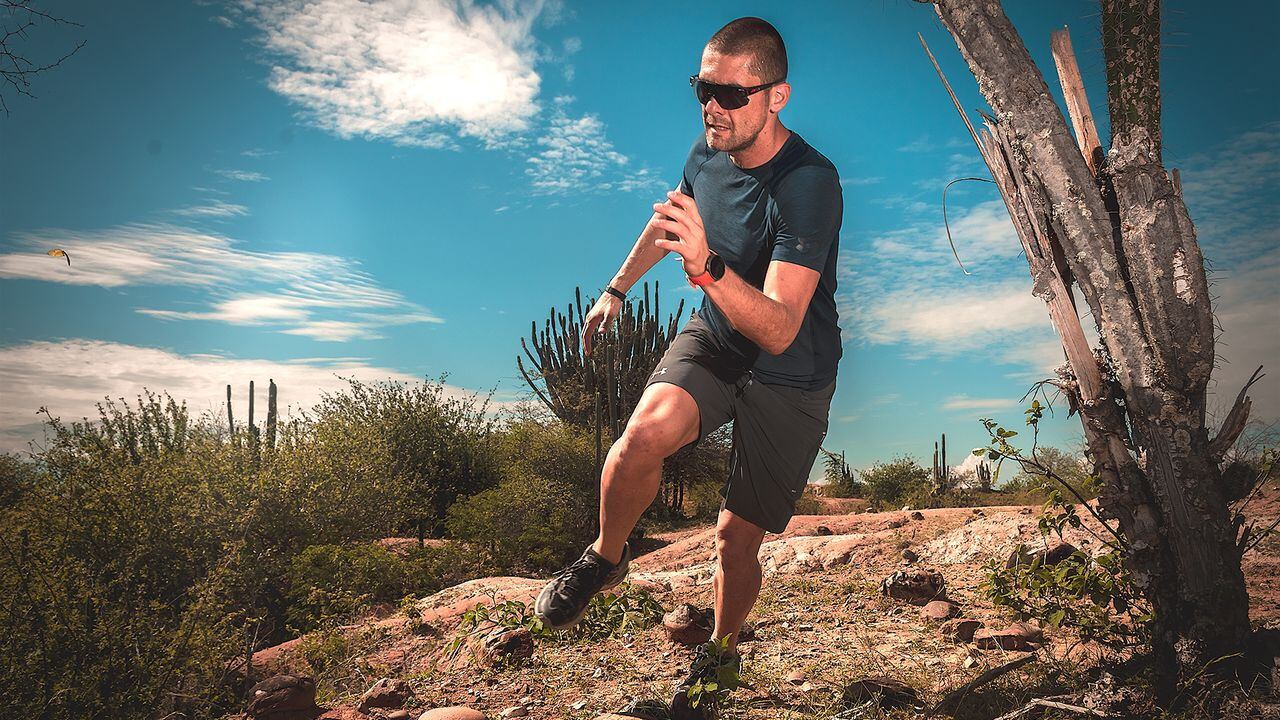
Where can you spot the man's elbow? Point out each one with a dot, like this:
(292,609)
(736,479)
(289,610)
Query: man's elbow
(780,344)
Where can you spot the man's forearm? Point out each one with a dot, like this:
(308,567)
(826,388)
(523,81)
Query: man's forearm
(643,256)
(760,318)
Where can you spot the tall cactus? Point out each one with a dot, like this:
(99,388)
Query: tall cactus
(567,383)
(982,474)
(601,391)
(271,414)
(941,474)
(231,421)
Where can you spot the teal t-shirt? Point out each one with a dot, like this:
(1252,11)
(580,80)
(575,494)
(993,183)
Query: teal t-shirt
(787,209)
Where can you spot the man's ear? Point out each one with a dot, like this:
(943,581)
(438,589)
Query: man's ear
(778,96)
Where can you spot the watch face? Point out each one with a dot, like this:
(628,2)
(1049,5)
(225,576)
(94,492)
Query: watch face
(715,266)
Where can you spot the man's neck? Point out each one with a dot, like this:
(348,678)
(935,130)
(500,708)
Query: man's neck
(768,142)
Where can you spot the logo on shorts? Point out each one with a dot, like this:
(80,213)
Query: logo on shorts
(663,371)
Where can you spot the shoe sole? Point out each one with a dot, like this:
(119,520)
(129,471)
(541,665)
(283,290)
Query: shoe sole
(545,597)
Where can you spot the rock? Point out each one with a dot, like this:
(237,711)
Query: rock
(401,714)
(388,693)
(501,645)
(939,610)
(1015,637)
(917,515)
(796,677)
(1030,633)
(822,530)
(515,711)
(458,712)
(910,555)
(886,692)
(1025,511)
(283,697)
(979,512)
(917,587)
(348,712)
(959,630)
(896,523)
(687,625)
(1051,555)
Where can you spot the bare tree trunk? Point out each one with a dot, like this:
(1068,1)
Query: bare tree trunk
(1127,241)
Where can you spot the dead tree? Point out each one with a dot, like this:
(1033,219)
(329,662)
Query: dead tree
(17,18)
(1116,227)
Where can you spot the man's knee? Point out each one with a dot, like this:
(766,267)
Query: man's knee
(663,422)
(738,544)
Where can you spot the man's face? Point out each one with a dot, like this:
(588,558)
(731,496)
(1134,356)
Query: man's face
(732,130)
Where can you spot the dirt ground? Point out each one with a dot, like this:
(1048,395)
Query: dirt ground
(820,622)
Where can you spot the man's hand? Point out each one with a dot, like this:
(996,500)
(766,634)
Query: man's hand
(602,313)
(685,223)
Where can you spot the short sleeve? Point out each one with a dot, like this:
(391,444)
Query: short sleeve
(693,162)
(809,209)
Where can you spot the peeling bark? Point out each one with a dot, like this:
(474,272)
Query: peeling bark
(1125,237)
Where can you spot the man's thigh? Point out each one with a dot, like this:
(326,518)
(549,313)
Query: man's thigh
(777,432)
(693,366)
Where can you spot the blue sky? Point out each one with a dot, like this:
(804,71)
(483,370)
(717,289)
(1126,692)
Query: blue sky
(253,190)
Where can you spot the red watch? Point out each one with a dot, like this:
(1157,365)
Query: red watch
(713,271)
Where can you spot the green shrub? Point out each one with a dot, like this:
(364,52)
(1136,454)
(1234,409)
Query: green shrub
(145,548)
(622,611)
(526,523)
(1094,595)
(894,483)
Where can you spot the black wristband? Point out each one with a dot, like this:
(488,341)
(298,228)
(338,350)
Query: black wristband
(616,293)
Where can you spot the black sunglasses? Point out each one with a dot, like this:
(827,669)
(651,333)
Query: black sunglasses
(729,97)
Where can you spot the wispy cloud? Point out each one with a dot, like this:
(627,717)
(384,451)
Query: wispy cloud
(213,208)
(1230,191)
(964,402)
(242,175)
(325,297)
(68,377)
(922,144)
(415,73)
(577,156)
(991,311)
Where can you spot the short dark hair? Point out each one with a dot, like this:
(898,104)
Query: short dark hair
(757,38)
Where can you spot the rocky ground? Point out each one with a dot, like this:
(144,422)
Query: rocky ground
(821,622)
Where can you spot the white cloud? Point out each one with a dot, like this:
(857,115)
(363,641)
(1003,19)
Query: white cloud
(855,181)
(956,320)
(69,377)
(242,175)
(415,72)
(1246,311)
(298,292)
(576,156)
(213,209)
(921,144)
(964,402)
(1230,191)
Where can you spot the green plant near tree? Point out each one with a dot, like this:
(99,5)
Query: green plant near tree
(1093,594)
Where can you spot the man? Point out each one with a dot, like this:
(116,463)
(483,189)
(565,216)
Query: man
(756,226)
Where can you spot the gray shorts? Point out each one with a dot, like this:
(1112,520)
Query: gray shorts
(777,429)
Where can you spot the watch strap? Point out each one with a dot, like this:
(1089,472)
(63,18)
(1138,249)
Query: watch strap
(615,292)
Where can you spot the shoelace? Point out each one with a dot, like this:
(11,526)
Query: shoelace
(570,575)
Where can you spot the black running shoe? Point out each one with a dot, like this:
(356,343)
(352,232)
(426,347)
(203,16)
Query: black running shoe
(563,601)
(713,673)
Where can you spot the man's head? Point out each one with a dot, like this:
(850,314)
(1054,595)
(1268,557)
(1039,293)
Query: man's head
(747,52)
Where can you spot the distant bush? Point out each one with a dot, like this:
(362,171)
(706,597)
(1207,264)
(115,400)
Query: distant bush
(895,483)
(1028,480)
(544,511)
(145,548)
(841,480)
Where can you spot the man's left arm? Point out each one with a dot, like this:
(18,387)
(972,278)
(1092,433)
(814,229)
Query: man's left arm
(769,316)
